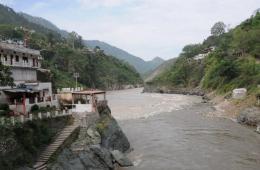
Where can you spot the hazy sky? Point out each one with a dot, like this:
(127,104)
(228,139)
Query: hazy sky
(145,28)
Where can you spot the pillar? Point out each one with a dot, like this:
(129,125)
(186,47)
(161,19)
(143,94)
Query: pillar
(56,113)
(22,118)
(48,114)
(40,115)
(30,117)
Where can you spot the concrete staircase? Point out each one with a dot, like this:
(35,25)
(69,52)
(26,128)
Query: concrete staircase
(41,163)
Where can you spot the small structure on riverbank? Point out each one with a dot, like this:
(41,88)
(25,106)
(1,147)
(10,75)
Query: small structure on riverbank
(87,100)
(82,101)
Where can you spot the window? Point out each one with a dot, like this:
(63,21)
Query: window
(25,59)
(12,57)
(17,58)
(5,57)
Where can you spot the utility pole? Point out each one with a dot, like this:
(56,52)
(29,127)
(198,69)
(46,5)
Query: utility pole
(76,75)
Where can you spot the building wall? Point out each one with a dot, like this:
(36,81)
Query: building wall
(23,74)
(19,60)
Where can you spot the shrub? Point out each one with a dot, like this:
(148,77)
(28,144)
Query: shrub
(4,107)
(35,108)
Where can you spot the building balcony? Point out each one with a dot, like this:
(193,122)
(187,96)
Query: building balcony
(19,64)
(18,105)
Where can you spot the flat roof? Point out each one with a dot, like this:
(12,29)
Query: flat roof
(20,90)
(19,48)
(89,92)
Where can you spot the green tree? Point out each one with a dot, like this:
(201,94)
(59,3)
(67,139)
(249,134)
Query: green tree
(5,76)
(218,28)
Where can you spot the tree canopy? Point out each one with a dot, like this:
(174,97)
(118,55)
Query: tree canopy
(5,76)
(218,28)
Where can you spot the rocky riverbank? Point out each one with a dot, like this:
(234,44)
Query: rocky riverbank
(100,145)
(243,111)
(172,90)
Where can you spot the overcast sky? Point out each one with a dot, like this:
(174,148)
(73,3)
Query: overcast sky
(145,28)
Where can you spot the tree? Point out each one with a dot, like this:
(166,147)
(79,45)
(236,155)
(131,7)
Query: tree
(218,28)
(5,76)
(75,40)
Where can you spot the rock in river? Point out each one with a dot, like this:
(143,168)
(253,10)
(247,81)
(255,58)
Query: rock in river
(249,116)
(112,136)
(121,159)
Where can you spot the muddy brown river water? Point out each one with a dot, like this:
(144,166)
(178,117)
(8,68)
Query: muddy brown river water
(173,132)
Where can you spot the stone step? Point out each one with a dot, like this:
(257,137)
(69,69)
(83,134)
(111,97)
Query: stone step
(39,164)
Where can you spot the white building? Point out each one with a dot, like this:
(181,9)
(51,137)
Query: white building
(24,63)
(204,53)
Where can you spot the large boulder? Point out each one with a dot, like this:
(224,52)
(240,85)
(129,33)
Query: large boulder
(250,116)
(112,136)
(95,145)
(94,158)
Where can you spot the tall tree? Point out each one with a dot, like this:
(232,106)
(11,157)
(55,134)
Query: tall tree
(218,28)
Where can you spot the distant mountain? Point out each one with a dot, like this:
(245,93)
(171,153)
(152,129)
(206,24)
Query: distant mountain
(154,63)
(43,22)
(140,65)
(160,69)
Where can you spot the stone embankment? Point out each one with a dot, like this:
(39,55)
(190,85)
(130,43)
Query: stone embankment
(101,144)
(172,90)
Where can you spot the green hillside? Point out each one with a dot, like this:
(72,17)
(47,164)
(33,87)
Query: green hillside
(64,56)
(234,63)
(139,64)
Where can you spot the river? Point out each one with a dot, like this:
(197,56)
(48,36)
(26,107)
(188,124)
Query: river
(173,132)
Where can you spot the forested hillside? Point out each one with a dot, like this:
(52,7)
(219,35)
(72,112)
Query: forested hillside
(234,62)
(64,56)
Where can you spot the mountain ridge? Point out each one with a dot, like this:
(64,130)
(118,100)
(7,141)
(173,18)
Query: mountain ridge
(139,64)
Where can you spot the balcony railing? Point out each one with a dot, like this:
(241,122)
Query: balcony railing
(19,64)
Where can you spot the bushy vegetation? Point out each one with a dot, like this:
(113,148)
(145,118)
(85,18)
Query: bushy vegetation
(64,56)
(185,72)
(4,109)
(235,62)
(36,109)
(21,144)
(5,76)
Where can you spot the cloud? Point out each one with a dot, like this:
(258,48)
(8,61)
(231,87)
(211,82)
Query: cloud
(7,2)
(100,3)
(38,5)
(146,28)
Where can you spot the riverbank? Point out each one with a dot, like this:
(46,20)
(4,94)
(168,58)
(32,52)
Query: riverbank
(149,88)
(243,111)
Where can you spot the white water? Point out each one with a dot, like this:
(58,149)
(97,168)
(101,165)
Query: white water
(133,104)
